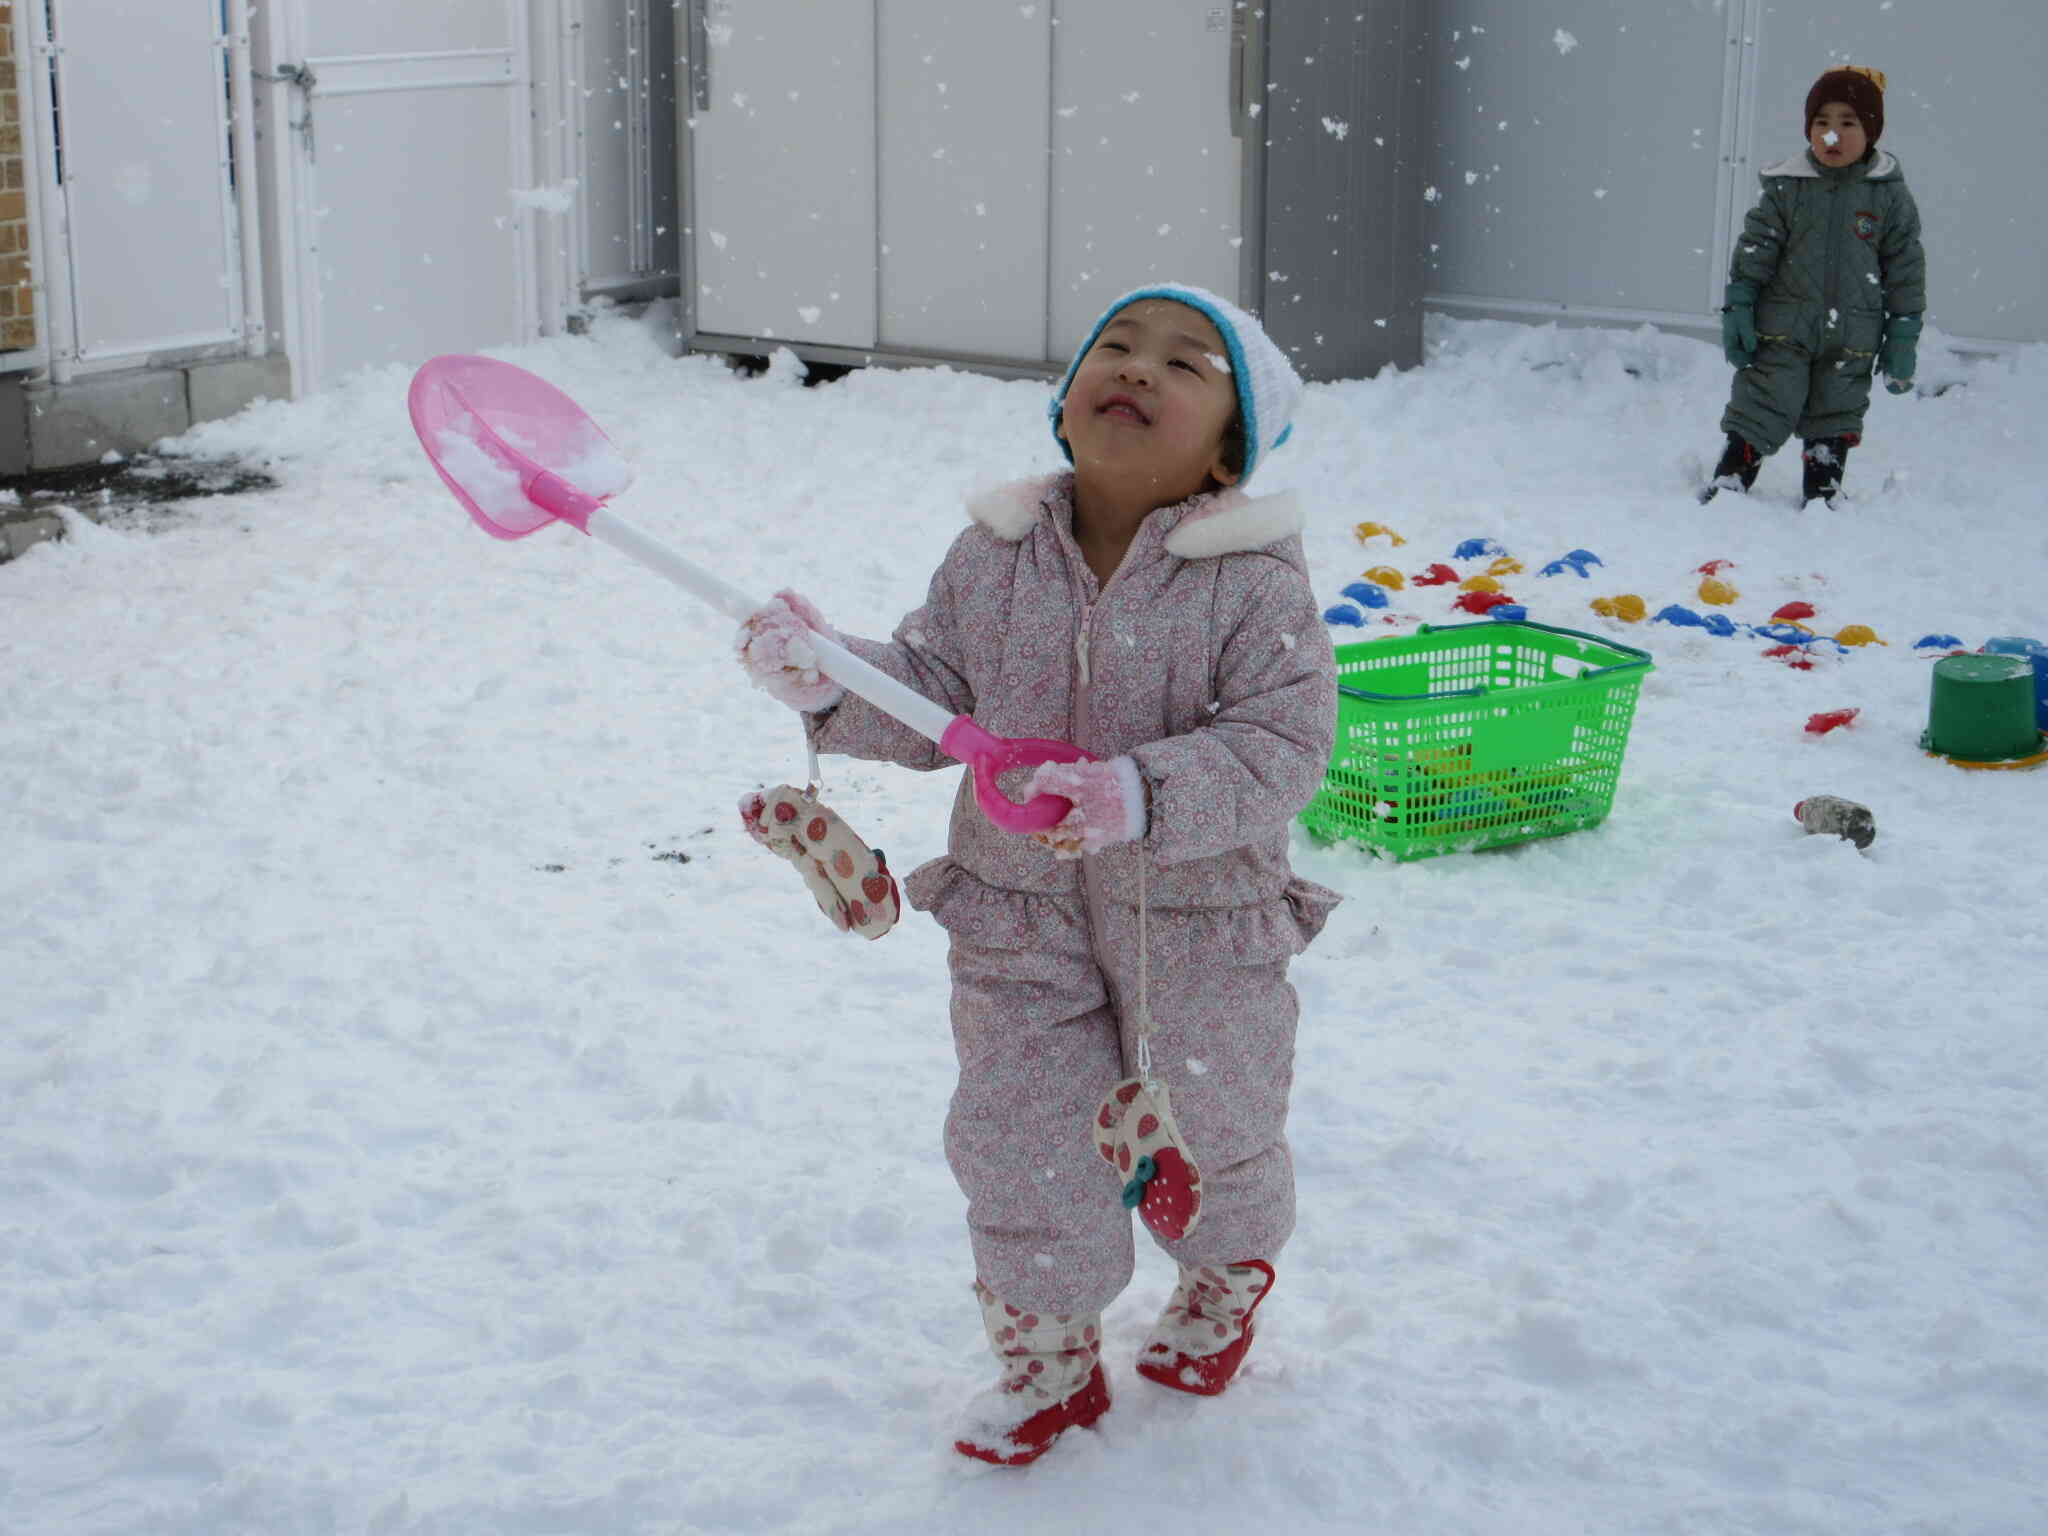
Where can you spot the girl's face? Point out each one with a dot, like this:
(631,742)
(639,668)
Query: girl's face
(1151,402)
(1836,134)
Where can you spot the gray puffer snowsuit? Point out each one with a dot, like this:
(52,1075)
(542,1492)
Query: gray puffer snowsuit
(1831,252)
(1205,659)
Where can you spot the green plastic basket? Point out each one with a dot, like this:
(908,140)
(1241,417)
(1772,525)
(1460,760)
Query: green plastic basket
(1465,736)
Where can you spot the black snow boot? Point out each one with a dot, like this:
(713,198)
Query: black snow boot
(1737,469)
(1824,460)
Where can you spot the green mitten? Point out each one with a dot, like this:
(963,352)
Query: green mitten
(1899,353)
(1738,325)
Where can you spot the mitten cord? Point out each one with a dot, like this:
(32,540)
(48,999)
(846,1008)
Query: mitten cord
(1144,983)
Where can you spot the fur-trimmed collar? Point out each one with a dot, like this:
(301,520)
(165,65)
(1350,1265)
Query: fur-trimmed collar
(1204,527)
(1882,167)
(1231,521)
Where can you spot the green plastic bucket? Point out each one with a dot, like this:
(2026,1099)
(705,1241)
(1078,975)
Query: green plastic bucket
(1980,709)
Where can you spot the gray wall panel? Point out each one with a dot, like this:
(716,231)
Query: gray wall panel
(1578,152)
(1346,149)
(626,121)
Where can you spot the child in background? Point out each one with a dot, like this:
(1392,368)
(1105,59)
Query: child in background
(1146,609)
(1828,280)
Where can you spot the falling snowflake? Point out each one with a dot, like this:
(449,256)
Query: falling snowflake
(1565,41)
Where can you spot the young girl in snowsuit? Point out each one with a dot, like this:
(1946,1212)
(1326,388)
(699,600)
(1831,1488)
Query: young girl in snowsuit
(1827,281)
(1144,608)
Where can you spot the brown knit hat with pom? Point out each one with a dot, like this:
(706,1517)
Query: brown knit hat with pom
(1861,87)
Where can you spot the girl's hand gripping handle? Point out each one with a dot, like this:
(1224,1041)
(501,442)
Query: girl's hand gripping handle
(989,756)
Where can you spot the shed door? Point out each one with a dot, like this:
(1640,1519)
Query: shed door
(413,172)
(962,135)
(140,153)
(1146,173)
(783,167)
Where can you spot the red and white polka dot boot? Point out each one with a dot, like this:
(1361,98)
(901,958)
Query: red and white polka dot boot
(1052,1382)
(1201,1338)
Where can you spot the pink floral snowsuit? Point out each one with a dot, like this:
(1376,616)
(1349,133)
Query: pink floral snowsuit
(1205,659)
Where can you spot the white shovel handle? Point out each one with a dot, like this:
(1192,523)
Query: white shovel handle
(834,659)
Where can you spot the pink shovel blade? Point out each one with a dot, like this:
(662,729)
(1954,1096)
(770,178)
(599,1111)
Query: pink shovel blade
(515,450)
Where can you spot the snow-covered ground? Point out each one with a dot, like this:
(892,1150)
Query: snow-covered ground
(422,1111)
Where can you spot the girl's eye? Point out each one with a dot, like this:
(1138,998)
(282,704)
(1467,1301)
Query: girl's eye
(1177,363)
(1113,346)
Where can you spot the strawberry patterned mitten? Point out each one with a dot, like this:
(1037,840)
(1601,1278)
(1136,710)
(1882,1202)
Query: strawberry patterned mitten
(847,878)
(1135,1133)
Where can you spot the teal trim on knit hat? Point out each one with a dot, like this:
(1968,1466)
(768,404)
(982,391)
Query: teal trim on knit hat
(1226,318)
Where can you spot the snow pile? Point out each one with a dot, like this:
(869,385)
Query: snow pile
(423,1111)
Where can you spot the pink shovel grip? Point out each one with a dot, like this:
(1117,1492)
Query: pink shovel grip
(551,493)
(988,756)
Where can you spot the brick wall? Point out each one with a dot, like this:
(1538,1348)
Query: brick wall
(17,291)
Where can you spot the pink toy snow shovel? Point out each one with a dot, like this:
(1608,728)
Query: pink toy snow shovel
(519,454)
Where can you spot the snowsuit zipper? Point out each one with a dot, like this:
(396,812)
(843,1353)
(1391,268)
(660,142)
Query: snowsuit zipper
(1831,292)
(1094,904)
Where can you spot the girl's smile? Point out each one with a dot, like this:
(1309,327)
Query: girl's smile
(1123,408)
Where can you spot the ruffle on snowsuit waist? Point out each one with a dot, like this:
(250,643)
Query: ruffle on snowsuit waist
(963,904)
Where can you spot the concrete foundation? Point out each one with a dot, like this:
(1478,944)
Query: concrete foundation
(214,390)
(52,437)
(55,426)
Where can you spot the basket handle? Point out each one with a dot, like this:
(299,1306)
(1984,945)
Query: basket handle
(1641,658)
(1476,691)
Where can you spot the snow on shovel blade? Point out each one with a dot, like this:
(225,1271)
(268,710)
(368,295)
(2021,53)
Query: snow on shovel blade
(515,451)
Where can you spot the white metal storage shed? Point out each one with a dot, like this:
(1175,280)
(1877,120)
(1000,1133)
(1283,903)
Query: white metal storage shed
(226,198)
(918,180)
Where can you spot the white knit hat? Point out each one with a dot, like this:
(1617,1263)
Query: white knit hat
(1268,388)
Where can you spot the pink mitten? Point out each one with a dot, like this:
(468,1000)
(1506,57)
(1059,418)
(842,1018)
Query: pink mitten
(774,648)
(1109,804)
